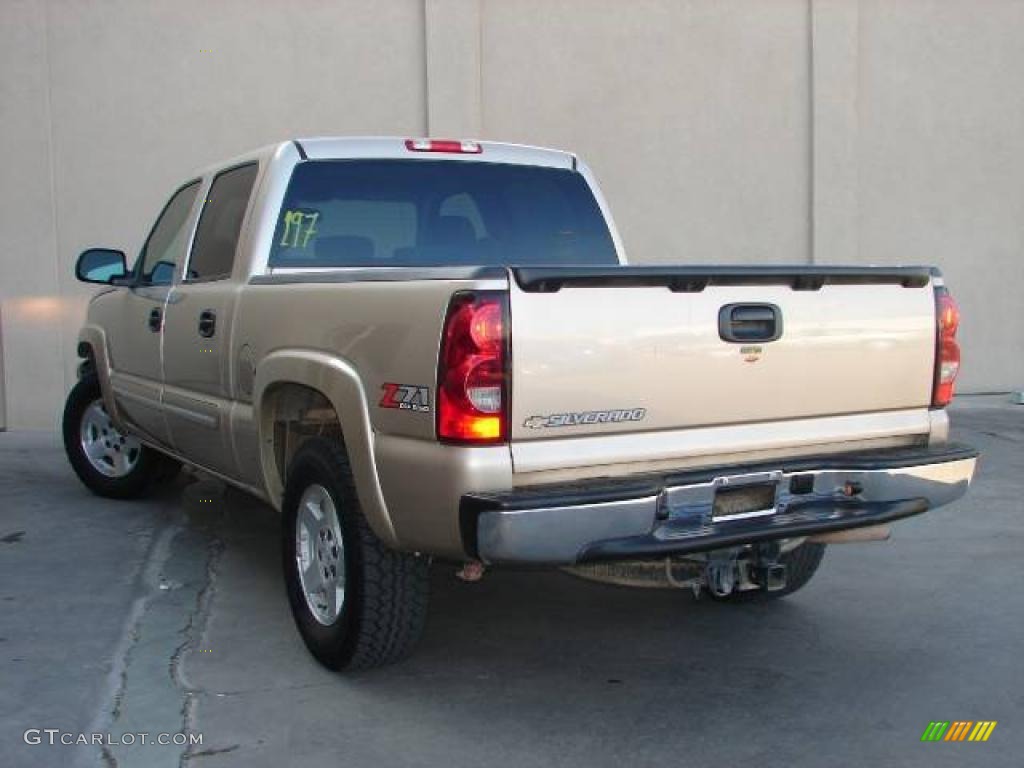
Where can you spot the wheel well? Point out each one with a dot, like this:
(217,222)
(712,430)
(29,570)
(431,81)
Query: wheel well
(88,364)
(292,414)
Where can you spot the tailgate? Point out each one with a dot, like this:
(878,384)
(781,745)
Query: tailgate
(640,349)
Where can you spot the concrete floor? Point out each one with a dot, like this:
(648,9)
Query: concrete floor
(169,614)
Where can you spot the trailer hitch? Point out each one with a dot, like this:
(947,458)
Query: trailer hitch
(765,569)
(742,569)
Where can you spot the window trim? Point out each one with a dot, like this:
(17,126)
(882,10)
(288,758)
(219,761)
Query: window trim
(185,279)
(136,281)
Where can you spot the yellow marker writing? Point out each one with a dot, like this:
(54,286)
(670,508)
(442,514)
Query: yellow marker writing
(299,227)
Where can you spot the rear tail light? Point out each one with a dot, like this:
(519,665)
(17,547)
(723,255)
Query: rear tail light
(947,350)
(472,375)
(443,145)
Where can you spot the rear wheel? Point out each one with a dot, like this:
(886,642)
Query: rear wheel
(108,461)
(357,603)
(801,564)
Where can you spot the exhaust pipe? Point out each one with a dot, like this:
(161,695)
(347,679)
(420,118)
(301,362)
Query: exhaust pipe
(854,535)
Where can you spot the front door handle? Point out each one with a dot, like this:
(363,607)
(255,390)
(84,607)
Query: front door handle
(741,323)
(156,317)
(207,323)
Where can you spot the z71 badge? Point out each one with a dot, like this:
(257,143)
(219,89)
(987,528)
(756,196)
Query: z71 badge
(408,397)
(582,418)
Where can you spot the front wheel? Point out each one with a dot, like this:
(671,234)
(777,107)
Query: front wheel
(357,603)
(108,461)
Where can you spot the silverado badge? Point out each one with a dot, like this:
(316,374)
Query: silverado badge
(581,418)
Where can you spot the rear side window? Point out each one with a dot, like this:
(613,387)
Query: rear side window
(166,242)
(213,252)
(360,213)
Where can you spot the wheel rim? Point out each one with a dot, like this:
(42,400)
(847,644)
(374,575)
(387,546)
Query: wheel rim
(108,450)
(320,554)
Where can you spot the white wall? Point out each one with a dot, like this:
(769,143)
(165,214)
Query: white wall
(741,131)
(693,114)
(941,163)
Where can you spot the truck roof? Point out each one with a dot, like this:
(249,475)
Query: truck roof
(395,147)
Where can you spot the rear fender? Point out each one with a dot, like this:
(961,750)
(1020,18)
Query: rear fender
(337,380)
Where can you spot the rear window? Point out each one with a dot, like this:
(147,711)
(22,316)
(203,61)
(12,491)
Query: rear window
(392,213)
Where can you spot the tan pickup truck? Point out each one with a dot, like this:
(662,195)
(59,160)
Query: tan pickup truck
(423,349)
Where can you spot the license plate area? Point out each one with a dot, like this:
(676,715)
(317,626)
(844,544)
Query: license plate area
(743,502)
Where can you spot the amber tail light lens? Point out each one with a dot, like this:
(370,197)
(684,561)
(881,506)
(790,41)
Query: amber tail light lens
(472,376)
(947,350)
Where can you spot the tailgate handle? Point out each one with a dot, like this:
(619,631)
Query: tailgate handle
(741,323)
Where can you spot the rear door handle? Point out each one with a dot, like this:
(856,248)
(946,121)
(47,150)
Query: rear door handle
(741,323)
(207,323)
(155,320)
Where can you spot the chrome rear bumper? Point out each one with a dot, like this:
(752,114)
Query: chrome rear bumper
(656,516)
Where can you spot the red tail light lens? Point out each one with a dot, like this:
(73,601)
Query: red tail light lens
(443,145)
(947,350)
(472,381)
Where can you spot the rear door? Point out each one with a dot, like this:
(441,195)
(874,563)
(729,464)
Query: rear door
(634,351)
(134,339)
(197,333)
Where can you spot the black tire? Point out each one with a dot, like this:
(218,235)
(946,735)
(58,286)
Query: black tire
(801,564)
(150,468)
(386,592)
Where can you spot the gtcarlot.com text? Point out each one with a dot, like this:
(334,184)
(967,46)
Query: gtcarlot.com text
(53,736)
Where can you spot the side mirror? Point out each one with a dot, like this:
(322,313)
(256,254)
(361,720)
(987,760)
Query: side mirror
(101,265)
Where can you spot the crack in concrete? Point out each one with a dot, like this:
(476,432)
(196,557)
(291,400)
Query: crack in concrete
(117,678)
(216,751)
(161,613)
(196,626)
(133,638)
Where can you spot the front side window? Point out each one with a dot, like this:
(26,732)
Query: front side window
(360,213)
(166,242)
(213,252)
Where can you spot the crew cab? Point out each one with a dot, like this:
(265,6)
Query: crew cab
(422,349)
